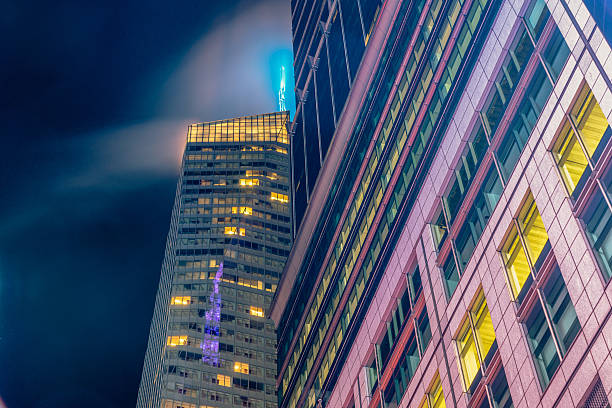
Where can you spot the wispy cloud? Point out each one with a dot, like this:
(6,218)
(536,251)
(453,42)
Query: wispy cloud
(228,72)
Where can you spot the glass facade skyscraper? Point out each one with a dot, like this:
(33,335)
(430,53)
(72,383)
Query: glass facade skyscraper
(326,60)
(210,344)
(456,245)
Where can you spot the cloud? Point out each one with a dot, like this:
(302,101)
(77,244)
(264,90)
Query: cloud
(227,72)
(126,155)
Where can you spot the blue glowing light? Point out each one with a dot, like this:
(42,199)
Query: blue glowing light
(210,344)
(281,92)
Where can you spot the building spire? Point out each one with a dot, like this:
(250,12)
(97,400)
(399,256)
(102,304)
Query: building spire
(281,92)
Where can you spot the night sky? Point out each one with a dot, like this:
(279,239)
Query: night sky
(95,101)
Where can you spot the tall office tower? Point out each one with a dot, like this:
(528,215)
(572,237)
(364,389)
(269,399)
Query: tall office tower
(329,39)
(457,245)
(210,344)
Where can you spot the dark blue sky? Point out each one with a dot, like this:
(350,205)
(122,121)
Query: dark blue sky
(96,97)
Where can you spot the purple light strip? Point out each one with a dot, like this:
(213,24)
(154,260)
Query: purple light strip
(210,343)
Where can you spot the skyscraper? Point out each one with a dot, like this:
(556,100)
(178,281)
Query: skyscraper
(326,60)
(210,344)
(456,246)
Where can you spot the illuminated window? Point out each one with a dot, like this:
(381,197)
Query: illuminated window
(280,150)
(213,263)
(241,367)
(579,146)
(468,356)
(180,300)
(234,231)
(570,158)
(525,247)
(476,343)
(283,198)
(249,182)
(435,397)
(174,341)
(242,210)
(256,311)
(591,123)
(533,230)
(224,380)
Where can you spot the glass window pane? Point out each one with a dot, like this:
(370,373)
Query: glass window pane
(436,396)
(451,275)
(516,262)
(470,364)
(536,18)
(598,219)
(483,326)
(533,229)
(570,158)
(500,390)
(415,284)
(562,312)
(556,54)
(424,329)
(439,228)
(591,123)
(542,344)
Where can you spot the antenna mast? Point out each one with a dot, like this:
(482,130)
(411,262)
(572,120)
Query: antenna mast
(281,92)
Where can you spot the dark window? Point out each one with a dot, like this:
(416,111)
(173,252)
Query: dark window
(598,220)
(542,344)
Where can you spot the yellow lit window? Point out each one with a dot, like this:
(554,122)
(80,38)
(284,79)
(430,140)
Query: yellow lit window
(180,300)
(483,326)
(590,121)
(516,262)
(249,182)
(524,245)
(272,175)
(283,198)
(242,210)
(231,230)
(174,341)
(435,396)
(241,367)
(533,229)
(256,311)
(468,356)
(212,263)
(224,380)
(475,341)
(280,150)
(570,158)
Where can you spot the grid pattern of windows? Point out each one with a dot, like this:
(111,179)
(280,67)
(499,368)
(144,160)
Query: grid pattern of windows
(496,165)
(422,131)
(409,319)
(233,209)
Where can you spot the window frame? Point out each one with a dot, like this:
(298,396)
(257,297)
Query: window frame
(486,363)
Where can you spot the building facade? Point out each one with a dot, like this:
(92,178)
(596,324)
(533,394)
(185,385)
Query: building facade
(210,344)
(457,245)
(328,45)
